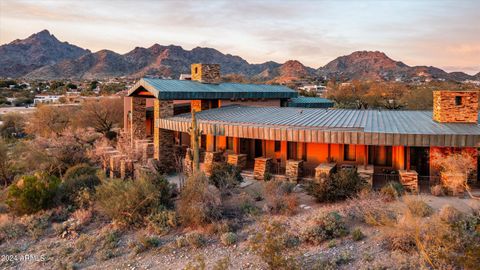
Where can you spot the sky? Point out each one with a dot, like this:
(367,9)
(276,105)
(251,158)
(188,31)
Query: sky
(441,33)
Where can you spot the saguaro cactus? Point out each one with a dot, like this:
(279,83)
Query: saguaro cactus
(195,134)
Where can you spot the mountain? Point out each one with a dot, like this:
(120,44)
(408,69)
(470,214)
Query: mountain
(20,57)
(374,65)
(43,56)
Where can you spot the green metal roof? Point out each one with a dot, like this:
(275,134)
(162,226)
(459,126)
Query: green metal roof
(186,89)
(310,102)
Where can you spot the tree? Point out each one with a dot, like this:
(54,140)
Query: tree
(13,125)
(102,115)
(49,120)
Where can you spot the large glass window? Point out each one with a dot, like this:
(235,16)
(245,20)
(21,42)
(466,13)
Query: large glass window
(230,143)
(291,150)
(380,155)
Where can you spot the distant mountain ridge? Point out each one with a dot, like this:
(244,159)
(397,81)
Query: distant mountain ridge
(43,56)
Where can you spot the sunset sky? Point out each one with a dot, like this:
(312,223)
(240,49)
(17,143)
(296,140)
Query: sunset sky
(441,33)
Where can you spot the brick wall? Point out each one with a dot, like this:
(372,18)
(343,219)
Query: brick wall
(455,106)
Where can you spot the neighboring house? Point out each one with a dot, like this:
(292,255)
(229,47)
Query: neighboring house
(46,99)
(253,126)
(319,90)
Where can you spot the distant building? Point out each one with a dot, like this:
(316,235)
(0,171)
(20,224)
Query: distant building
(46,99)
(185,77)
(319,90)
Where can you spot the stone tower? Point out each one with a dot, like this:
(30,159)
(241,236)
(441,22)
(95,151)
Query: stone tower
(455,106)
(206,73)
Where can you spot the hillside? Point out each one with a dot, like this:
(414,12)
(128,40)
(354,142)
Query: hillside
(20,57)
(43,56)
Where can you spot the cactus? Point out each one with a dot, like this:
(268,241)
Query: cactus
(195,134)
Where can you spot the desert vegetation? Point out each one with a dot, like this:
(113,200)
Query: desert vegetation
(58,206)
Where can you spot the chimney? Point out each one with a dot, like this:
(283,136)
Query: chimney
(455,106)
(206,73)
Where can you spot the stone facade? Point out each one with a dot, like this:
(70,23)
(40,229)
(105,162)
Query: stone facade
(138,118)
(148,151)
(262,166)
(238,160)
(324,170)
(115,161)
(200,105)
(210,159)
(126,168)
(455,106)
(163,139)
(366,174)
(409,180)
(294,170)
(206,73)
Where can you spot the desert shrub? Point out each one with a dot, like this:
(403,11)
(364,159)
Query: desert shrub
(269,244)
(370,208)
(437,190)
(418,207)
(392,190)
(181,241)
(33,193)
(144,243)
(225,176)
(218,228)
(229,238)
(450,214)
(199,203)
(36,224)
(451,246)
(357,235)
(400,239)
(162,220)
(325,227)
(10,230)
(81,177)
(199,264)
(338,186)
(279,198)
(195,240)
(128,201)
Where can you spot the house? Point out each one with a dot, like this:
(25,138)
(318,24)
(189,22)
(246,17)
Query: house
(252,126)
(46,99)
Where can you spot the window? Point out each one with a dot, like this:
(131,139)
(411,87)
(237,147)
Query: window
(349,152)
(196,70)
(278,146)
(291,150)
(230,143)
(458,101)
(380,155)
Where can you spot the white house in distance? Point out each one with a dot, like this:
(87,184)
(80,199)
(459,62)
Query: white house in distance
(319,90)
(40,99)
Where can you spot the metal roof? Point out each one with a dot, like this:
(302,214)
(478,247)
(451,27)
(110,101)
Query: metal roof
(310,102)
(382,127)
(186,89)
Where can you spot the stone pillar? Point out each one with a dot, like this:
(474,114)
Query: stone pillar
(148,151)
(238,160)
(126,168)
(262,166)
(409,180)
(294,170)
(115,165)
(210,159)
(162,138)
(366,174)
(323,171)
(138,118)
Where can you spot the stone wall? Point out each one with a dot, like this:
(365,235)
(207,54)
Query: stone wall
(206,73)
(238,160)
(409,180)
(138,118)
(366,174)
(210,159)
(294,170)
(163,139)
(324,170)
(445,109)
(262,166)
